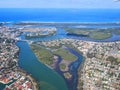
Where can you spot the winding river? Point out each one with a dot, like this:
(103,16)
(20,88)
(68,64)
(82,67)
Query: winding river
(73,68)
(48,78)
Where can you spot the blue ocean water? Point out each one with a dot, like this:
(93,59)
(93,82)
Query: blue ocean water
(59,15)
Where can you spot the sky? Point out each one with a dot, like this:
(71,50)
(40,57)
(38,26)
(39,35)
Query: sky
(59,3)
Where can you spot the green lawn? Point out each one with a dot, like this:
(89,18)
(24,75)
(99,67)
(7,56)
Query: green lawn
(43,54)
(66,55)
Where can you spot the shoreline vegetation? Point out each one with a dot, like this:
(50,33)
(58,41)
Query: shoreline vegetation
(43,54)
(65,55)
(50,55)
(93,33)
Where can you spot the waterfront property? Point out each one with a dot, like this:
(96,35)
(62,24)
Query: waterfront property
(11,76)
(59,60)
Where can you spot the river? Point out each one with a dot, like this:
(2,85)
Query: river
(73,68)
(48,78)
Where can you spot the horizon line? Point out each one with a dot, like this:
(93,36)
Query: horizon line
(49,8)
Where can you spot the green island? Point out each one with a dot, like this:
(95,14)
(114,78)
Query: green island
(67,75)
(65,54)
(62,66)
(43,54)
(67,58)
(93,33)
(100,35)
(78,31)
(46,57)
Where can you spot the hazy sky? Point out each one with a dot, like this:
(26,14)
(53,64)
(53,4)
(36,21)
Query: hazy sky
(59,4)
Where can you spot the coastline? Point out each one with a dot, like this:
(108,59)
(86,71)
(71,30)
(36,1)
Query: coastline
(45,22)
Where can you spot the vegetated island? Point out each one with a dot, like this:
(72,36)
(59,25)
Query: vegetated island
(93,33)
(66,56)
(49,56)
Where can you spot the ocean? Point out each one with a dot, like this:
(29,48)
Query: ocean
(59,15)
